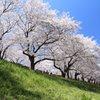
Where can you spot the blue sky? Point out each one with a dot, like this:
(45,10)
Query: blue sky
(86,11)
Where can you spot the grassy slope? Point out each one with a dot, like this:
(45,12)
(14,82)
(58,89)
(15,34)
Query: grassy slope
(19,83)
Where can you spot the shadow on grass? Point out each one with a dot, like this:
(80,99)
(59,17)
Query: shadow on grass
(12,89)
(72,83)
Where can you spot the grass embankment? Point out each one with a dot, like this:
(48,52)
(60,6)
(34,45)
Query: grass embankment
(17,82)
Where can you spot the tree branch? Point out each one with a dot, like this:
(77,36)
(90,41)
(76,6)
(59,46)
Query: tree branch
(44,60)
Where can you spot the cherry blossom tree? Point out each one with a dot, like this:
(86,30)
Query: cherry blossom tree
(75,52)
(8,21)
(40,26)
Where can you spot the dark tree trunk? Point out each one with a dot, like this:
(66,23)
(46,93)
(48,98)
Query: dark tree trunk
(68,74)
(32,63)
(1,55)
(63,74)
(82,78)
(89,80)
(76,74)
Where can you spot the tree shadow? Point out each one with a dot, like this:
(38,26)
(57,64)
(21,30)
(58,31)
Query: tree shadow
(72,83)
(11,87)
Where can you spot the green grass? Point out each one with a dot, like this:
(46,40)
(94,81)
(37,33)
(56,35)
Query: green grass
(17,82)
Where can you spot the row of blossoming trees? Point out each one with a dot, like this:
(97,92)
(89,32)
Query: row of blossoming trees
(31,32)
